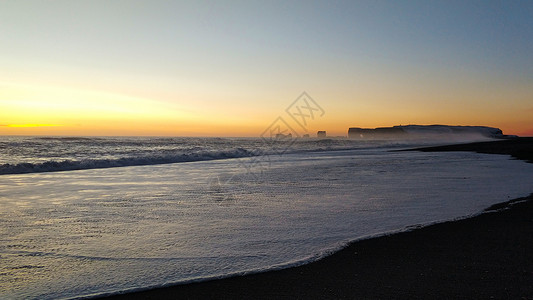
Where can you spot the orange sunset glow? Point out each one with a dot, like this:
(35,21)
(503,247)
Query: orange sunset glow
(325,149)
(197,74)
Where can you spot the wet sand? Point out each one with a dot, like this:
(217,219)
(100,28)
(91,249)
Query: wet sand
(487,256)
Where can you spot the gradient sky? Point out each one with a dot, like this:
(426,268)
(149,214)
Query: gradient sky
(230,68)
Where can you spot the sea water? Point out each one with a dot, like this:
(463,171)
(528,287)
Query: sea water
(92,216)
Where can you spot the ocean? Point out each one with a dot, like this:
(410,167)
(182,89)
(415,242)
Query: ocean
(89,216)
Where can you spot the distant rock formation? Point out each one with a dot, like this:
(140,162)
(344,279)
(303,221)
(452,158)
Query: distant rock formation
(281,136)
(377,133)
(426,132)
(321,134)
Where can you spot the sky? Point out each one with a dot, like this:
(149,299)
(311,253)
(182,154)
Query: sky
(231,68)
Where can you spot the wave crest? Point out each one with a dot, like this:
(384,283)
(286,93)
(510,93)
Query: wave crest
(85,164)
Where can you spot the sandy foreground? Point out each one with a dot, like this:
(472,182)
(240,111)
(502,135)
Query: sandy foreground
(486,256)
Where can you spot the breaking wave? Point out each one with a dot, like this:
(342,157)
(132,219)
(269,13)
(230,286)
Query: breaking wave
(84,164)
(22,155)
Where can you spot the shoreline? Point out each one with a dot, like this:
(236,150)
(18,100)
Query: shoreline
(487,255)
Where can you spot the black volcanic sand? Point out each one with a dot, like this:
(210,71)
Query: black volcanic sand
(519,148)
(487,256)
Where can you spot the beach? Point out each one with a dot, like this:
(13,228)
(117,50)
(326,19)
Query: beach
(266,150)
(485,256)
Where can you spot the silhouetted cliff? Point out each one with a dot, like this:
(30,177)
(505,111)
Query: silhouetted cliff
(425,131)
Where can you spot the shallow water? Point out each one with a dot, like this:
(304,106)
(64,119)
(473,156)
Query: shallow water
(87,232)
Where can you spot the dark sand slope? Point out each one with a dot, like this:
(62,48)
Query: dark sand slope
(520,148)
(487,256)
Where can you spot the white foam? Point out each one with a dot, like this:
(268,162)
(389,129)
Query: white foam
(81,233)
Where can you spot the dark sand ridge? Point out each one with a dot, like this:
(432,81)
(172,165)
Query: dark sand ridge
(486,256)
